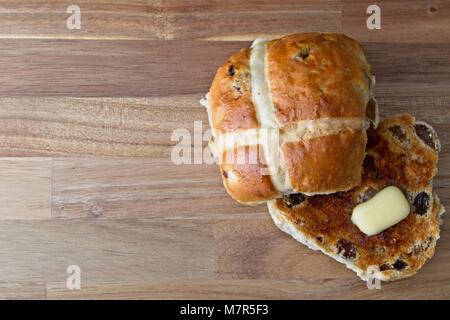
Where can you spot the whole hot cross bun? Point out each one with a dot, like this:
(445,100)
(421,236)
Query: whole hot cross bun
(290,115)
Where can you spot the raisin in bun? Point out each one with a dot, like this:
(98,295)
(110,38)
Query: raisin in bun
(289,115)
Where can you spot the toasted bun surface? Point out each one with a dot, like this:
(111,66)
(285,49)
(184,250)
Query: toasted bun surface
(303,96)
(400,152)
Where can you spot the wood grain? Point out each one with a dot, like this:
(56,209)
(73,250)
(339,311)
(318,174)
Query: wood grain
(402,21)
(167,20)
(84,68)
(25,188)
(144,69)
(254,248)
(334,288)
(237,20)
(84,187)
(20,290)
(410,77)
(128,127)
(87,117)
(121,250)
(157,258)
(256,261)
(154,188)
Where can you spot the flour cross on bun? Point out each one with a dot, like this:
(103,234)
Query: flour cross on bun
(298,106)
(400,152)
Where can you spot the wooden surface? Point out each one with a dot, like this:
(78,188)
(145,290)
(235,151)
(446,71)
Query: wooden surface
(86,118)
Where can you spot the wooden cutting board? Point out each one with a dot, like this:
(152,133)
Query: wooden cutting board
(86,121)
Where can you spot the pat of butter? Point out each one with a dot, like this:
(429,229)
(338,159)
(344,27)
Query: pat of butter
(387,208)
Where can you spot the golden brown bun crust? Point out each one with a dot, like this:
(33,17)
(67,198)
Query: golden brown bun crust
(320,84)
(247,182)
(317,75)
(342,169)
(231,95)
(396,155)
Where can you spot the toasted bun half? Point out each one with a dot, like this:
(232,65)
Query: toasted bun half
(401,152)
(290,115)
